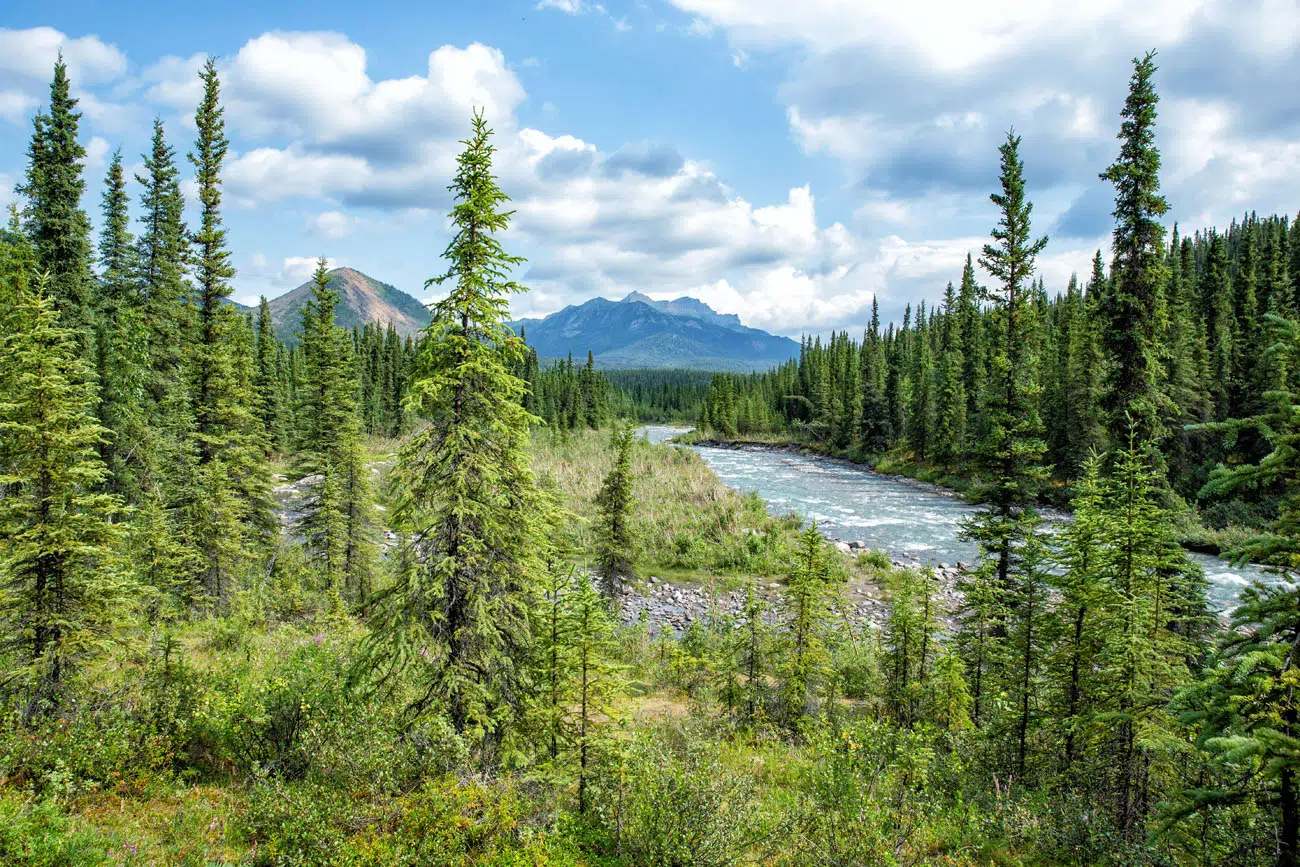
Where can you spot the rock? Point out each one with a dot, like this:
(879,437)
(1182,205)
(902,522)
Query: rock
(843,547)
(775,585)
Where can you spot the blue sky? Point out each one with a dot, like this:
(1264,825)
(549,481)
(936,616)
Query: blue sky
(783,161)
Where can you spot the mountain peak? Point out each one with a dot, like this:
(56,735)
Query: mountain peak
(687,306)
(362,299)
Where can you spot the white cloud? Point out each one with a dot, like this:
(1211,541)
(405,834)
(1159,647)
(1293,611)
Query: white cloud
(271,174)
(32,53)
(334,224)
(943,34)
(569,7)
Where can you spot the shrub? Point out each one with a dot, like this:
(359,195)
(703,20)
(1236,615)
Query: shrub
(37,835)
(672,802)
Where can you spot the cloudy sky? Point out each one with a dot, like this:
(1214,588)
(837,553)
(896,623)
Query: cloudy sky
(786,161)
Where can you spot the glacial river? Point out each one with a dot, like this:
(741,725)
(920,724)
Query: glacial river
(909,520)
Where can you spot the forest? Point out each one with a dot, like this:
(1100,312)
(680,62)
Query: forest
(364,600)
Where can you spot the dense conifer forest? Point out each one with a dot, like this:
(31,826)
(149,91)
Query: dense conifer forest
(370,600)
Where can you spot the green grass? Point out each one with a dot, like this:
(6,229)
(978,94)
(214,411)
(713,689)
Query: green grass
(688,524)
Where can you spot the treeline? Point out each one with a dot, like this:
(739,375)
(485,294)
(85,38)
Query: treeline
(1181,349)
(925,383)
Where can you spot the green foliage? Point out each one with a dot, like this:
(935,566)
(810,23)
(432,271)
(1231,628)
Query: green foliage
(1134,306)
(227,501)
(670,800)
(804,669)
(464,490)
(615,545)
(37,835)
(336,518)
(61,593)
(53,218)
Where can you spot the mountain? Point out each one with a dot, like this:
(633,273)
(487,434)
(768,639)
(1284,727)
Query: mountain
(362,299)
(638,332)
(692,307)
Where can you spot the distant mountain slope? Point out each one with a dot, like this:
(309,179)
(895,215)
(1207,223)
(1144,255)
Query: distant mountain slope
(636,332)
(362,299)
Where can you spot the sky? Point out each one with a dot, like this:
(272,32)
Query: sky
(784,161)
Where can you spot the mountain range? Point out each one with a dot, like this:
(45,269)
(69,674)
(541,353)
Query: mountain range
(636,332)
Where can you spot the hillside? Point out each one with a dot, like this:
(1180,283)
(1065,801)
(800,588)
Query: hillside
(636,332)
(362,299)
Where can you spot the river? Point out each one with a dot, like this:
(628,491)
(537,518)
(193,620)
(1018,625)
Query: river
(909,520)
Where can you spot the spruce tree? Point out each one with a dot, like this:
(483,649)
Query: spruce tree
(335,513)
(615,545)
(805,660)
(228,492)
(1002,591)
(59,228)
(1134,304)
(61,592)
(162,256)
(1151,628)
(465,493)
(1245,716)
(267,380)
(121,345)
(951,412)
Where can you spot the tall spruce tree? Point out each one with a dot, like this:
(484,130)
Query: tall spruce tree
(335,514)
(228,498)
(1002,593)
(465,493)
(1134,306)
(59,228)
(61,591)
(121,346)
(615,545)
(267,379)
(162,256)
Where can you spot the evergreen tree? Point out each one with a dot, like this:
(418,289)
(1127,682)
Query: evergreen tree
(1001,593)
(950,434)
(59,228)
(119,342)
(229,487)
(465,493)
(752,643)
(162,255)
(61,593)
(1244,712)
(615,546)
(1134,304)
(1149,632)
(267,381)
(335,513)
(805,659)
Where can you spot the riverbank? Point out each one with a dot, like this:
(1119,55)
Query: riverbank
(1192,535)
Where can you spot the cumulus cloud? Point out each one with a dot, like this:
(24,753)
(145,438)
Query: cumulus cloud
(31,54)
(334,224)
(27,59)
(913,98)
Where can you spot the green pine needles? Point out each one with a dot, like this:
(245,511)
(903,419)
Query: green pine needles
(61,585)
(455,618)
(615,545)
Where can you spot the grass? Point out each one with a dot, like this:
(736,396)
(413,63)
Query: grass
(687,523)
